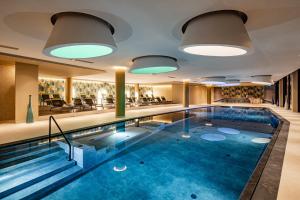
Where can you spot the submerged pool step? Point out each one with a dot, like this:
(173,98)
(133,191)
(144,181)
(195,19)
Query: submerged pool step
(29,168)
(18,147)
(13,160)
(40,189)
(25,164)
(20,182)
(24,149)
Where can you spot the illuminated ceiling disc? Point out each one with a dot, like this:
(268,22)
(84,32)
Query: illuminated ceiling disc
(79,35)
(261,79)
(217,80)
(230,83)
(153,64)
(219,33)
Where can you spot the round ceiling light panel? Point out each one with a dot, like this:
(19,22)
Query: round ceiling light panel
(262,79)
(213,80)
(230,83)
(79,35)
(219,33)
(153,64)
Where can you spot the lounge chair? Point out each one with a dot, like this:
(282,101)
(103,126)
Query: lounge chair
(158,99)
(45,98)
(164,100)
(58,104)
(109,102)
(56,96)
(78,104)
(89,102)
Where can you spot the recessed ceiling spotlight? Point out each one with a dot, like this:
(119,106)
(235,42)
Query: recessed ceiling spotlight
(79,35)
(262,80)
(218,33)
(217,80)
(153,64)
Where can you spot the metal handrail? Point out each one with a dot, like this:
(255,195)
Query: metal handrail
(62,133)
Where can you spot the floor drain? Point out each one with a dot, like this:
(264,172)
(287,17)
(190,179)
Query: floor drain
(228,155)
(193,196)
(142,162)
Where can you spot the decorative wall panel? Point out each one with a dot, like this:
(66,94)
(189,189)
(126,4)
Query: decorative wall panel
(243,92)
(52,86)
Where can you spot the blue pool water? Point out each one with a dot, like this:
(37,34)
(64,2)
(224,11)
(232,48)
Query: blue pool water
(201,154)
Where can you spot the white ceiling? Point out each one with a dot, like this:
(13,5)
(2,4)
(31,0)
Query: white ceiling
(153,27)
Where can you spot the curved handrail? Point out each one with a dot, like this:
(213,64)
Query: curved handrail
(62,133)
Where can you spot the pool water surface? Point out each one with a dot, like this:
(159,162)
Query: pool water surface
(200,154)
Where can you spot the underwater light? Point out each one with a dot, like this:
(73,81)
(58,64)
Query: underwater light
(261,140)
(229,131)
(208,124)
(213,137)
(120,168)
(185,135)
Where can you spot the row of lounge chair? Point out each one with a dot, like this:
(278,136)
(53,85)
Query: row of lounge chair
(56,103)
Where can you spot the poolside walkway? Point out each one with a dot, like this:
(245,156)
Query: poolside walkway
(11,132)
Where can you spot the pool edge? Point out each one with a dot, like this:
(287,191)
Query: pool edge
(265,179)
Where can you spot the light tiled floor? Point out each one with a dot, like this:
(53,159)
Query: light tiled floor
(11,132)
(290,178)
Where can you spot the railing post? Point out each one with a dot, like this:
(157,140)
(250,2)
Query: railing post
(62,133)
(49,130)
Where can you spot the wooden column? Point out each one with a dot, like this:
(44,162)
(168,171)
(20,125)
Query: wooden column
(137,91)
(281,97)
(208,94)
(120,92)
(69,87)
(295,91)
(186,94)
(26,83)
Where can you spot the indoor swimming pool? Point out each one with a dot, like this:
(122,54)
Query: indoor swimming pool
(205,153)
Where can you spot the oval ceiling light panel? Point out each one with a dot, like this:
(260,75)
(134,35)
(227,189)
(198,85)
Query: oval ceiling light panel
(218,33)
(79,35)
(153,64)
(217,80)
(262,80)
(230,83)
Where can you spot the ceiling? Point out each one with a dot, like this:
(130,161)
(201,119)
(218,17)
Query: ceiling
(153,27)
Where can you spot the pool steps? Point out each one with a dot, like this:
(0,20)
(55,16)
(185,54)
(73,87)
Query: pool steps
(32,171)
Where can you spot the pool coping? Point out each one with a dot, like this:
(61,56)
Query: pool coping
(265,179)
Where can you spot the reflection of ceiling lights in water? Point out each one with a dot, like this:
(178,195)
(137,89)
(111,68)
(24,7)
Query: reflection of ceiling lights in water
(153,64)
(213,137)
(208,124)
(185,135)
(261,140)
(217,33)
(79,35)
(120,168)
(229,131)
